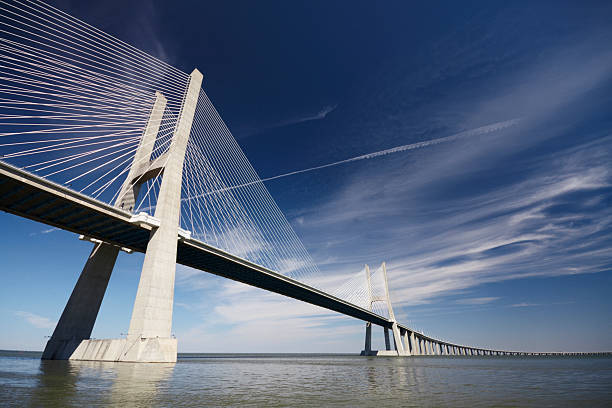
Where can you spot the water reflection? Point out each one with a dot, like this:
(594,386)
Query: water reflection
(139,382)
(65,383)
(384,374)
(56,385)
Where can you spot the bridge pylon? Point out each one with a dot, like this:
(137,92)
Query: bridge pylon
(399,348)
(149,336)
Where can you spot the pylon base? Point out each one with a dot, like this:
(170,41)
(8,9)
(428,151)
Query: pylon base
(139,350)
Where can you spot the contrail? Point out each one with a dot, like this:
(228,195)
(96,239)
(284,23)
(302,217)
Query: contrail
(467,133)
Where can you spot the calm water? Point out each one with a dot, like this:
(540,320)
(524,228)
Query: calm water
(309,380)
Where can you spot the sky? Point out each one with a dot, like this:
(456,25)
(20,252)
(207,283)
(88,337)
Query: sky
(501,239)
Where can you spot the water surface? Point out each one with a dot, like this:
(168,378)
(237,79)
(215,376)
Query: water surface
(289,380)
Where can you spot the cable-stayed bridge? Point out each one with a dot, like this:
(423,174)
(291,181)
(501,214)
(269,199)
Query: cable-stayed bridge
(104,140)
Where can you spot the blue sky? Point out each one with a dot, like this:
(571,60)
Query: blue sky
(502,239)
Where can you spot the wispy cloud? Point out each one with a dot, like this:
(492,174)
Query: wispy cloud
(524,304)
(36,320)
(322,114)
(445,233)
(308,117)
(477,301)
(45,231)
(274,323)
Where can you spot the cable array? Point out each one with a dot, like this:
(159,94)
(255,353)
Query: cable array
(74,100)
(377,281)
(245,221)
(355,290)
(74,103)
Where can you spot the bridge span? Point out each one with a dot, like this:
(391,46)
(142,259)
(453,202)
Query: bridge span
(30,196)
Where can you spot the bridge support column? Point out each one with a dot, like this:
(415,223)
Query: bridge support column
(397,340)
(405,342)
(414,347)
(151,323)
(368,339)
(387,340)
(149,335)
(79,316)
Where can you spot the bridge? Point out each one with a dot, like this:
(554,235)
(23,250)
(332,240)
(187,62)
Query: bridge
(103,140)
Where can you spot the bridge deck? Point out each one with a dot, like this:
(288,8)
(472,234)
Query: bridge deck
(30,196)
(36,198)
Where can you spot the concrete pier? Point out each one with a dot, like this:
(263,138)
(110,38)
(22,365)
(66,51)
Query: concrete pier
(414,346)
(149,336)
(387,341)
(405,342)
(79,316)
(368,338)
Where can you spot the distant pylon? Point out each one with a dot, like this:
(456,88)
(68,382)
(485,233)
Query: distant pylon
(397,338)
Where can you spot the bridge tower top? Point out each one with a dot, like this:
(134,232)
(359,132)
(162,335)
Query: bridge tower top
(380,297)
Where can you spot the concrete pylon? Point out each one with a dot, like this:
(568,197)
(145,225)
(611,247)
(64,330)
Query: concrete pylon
(399,347)
(152,313)
(405,342)
(397,338)
(415,347)
(136,176)
(368,338)
(149,336)
(367,350)
(81,311)
(387,340)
